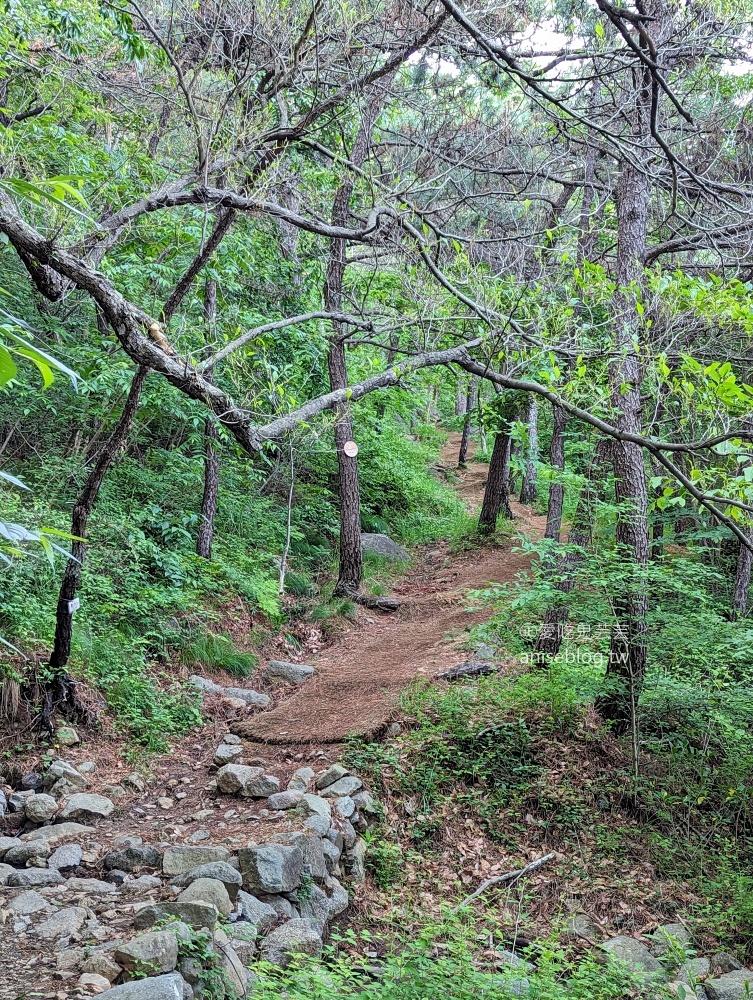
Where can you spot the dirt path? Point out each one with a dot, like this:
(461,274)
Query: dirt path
(360,676)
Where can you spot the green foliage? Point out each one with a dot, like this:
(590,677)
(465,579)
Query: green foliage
(216,652)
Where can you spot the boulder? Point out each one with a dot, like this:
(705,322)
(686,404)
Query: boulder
(178,860)
(172,987)
(296,937)
(83,805)
(382,545)
(315,812)
(271,867)
(293,673)
(208,890)
(261,915)
(17,800)
(90,984)
(634,954)
(247,696)
(56,834)
(33,781)
(261,787)
(693,969)
(41,808)
(100,964)
(301,779)
(580,925)
(731,986)
(344,806)
(230,877)
(282,906)
(6,843)
(35,878)
(33,850)
(66,857)
(91,886)
(194,913)
(204,684)
(332,854)
(669,935)
(232,779)
(226,754)
(5,873)
(62,770)
(345,786)
(152,953)
(330,776)
(723,962)
(284,800)
(87,767)
(128,859)
(355,861)
(25,904)
(310,846)
(62,923)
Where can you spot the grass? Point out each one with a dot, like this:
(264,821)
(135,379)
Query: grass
(216,652)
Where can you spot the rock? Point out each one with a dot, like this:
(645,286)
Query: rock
(5,873)
(365,803)
(731,986)
(282,906)
(198,835)
(208,890)
(62,770)
(130,858)
(134,781)
(316,813)
(233,778)
(91,984)
(330,776)
(722,963)
(232,739)
(70,958)
(25,904)
(35,878)
(580,925)
(247,696)
(293,673)
(693,969)
(87,767)
(178,860)
(91,886)
(633,953)
(514,961)
(331,854)
(355,861)
(144,883)
(17,800)
(394,729)
(66,857)
(271,867)
(337,897)
(194,913)
(152,953)
(284,800)
(348,833)
(685,992)
(310,846)
(253,910)
(382,545)
(668,936)
(100,964)
(165,803)
(243,948)
(301,779)
(230,877)
(226,754)
(261,787)
(86,806)
(56,834)
(157,988)
(235,974)
(67,736)
(204,684)
(294,937)
(345,786)
(62,923)
(32,851)
(33,781)
(6,843)
(344,806)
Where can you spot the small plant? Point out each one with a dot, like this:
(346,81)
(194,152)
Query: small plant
(218,653)
(384,860)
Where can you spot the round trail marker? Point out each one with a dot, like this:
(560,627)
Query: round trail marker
(350,448)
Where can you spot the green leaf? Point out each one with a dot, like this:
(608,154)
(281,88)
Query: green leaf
(8,368)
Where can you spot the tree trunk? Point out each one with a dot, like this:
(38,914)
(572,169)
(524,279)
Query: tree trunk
(496,497)
(742,580)
(211,455)
(557,461)
(466,436)
(60,690)
(460,398)
(528,492)
(551,633)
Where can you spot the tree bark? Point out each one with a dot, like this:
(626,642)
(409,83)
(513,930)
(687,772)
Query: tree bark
(496,496)
(557,461)
(528,492)
(211,455)
(465,439)
(742,580)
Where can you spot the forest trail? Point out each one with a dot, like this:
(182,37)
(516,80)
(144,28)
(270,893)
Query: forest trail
(360,676)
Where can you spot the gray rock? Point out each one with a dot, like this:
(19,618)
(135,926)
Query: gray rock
(293,673)
(355,861)
(62,770)
(25,904)
(56,834)
(5,873)
(40,808)
(177,860)
(230,877)
(382,545)
(301,779)
(316,813)
(232,779)
(693,969)
(66,857)
(310,846)
(6,843)
(157,988)
(243,948)
(332,854)
(283,907)
(284,800)
(580,925)
(261,915)
(88,767)
(101,964)
(344,806)
(345,786)
(271,867)
(514,961)
(3,804)
(144,883)
(731,986)
(235,974)
(261,787)
(330,776)
(35,878)
(337,897)
(62,923)
(232,739)
(32,851)
(152,953)
(249,697)
(91,983)
(365,803)
(296,937)
(668,936)
(17,800)
(128,859)
(723,962)
(208,890)
(194,913)
(204,684)
(135,782)
(226,754)
(33,781)
(634,954)
(485,652)
(84,805)
(91,886)
(67,736)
